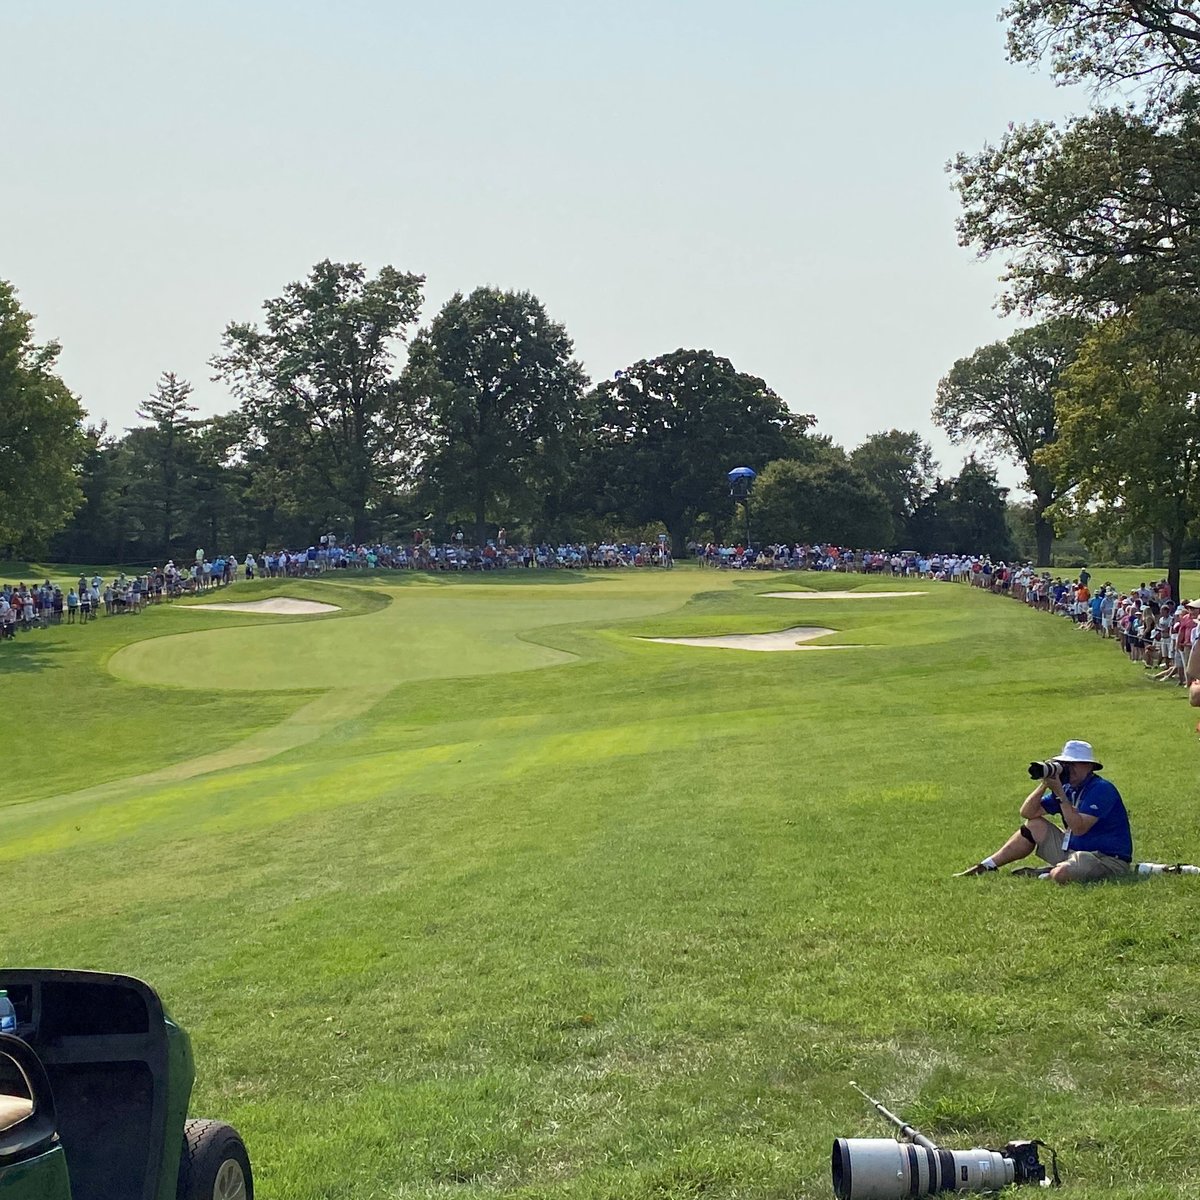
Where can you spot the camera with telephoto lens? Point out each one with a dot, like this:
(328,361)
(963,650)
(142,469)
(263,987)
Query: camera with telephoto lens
(1048,768)
(883,1169)
(890,1169)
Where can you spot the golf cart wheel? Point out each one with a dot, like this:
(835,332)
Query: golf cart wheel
(213,1164)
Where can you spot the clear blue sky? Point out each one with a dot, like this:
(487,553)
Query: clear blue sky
(764,179)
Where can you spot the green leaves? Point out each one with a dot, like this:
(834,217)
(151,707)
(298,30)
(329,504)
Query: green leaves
(317,384)
(41,433)
(498,400)
(825,501)
(1090,215)
(1097,218)
(668,429)
(1153,43)
(1002,397)
(1130,427)
(900,464)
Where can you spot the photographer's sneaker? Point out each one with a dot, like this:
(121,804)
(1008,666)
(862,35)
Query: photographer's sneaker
(977,869)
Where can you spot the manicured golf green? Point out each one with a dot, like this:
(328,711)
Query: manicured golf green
(465,889)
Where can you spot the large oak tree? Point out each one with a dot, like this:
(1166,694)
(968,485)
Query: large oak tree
(1129,430)
(668,429)
(318,389)
(497,395)
(1002,397)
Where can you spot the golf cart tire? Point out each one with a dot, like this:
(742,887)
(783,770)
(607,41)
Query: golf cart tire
(213,1164)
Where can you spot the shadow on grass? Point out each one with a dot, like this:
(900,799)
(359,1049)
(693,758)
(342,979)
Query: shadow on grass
(25,654)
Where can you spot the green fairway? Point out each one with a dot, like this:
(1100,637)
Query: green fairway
(433,629)
(467,889)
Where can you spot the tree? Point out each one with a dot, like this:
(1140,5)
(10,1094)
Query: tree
(41,433)
(824,501)
(317,387)
(978,515)
(668,429)
(1109,42)
(965,515)
(93,532)
(901,466)
(1002,397)
(223,513)
(1092,215)
(498,394)
(165,455)
(1129,430)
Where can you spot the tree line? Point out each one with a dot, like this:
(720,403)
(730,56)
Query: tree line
(349,418)
(1096,222)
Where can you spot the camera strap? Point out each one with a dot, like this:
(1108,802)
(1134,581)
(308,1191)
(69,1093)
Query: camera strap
(1054,1176)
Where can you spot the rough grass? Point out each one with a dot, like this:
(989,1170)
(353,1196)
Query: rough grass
(624,926)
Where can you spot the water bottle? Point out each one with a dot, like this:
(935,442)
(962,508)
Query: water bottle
(8,1014)
(1149,868)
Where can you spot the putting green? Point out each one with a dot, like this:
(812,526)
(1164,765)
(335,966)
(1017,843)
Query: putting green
(424,633)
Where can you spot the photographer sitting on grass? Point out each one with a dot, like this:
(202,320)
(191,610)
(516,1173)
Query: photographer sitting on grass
(1096,842)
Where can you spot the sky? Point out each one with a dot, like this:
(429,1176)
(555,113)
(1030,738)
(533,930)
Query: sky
(763,179)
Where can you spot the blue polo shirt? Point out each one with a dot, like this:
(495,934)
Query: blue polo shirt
(1098,798)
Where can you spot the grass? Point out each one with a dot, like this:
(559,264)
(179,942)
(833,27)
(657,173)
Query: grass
(513,903)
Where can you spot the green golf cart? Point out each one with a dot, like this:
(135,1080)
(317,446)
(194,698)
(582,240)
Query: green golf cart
(94,1090)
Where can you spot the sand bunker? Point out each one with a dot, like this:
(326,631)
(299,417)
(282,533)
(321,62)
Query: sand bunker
(839,595)
(281,606)
(784,639)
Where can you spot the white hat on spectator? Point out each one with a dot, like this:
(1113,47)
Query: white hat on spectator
(1079,752)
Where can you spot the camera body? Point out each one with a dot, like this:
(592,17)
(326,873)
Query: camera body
(1048,768)
(1027,1166)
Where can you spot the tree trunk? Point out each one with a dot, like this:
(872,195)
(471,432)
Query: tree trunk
(480,510)
(1043,532)
(1157,543)
(678,530)
(1174,562)
(358,522)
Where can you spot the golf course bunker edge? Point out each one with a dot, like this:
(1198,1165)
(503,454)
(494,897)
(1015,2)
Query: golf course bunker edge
(782,639)
(279,606)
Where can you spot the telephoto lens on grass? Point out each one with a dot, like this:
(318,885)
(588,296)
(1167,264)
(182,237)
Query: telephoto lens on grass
(887,1169)
(883,1169)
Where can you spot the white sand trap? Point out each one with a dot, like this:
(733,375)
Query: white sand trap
(281,606)
(839,595)
(784,639)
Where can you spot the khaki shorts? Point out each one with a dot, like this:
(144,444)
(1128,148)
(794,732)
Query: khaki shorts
(1082,865)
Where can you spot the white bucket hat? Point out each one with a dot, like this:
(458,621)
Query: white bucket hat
(1079,752)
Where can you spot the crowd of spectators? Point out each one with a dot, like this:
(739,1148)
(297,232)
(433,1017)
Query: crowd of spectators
(40,605)
(1150,625)
(496,554)
(829,557)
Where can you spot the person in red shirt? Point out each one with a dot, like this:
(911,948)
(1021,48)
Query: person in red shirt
(1191,671)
